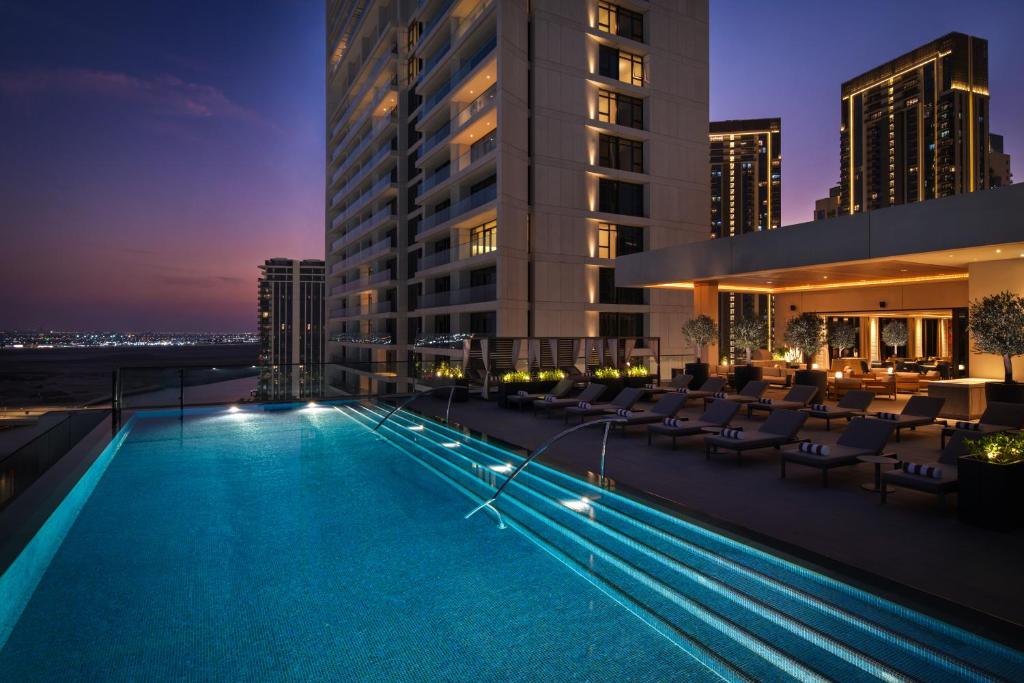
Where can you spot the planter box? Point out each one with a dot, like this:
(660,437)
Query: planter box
(745,373)
(989,494)
(699,372)
(1001,392)
(813,378)
(638,382)
(506,389)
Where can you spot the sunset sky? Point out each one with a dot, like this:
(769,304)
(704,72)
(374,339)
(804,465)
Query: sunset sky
(154,153)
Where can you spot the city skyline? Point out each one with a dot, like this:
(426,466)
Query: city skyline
(109,128)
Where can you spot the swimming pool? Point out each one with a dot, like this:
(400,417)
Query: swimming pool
(297,544)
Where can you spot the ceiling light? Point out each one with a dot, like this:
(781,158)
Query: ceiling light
(999,251)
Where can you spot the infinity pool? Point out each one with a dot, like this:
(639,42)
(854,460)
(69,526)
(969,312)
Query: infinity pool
(299,545)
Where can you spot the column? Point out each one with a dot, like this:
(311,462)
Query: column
(705,302)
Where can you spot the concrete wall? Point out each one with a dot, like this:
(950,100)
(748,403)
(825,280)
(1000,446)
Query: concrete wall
(992,277)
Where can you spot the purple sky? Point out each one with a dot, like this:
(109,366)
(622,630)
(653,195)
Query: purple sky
(154,153)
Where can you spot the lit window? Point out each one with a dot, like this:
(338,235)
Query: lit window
(606,240)
(483,239)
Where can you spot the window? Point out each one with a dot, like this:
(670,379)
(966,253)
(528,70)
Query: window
(620,21)
(483,239)
(620,65)
(616,196)
(415,31)
(620,153)
(483,146)
(483,323)
(621,110)
(618,240)
(483,276)
(621,325)
(608,293)
(413,68)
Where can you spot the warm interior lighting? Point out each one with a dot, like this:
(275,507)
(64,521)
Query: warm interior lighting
(839,374)
(741,287)
(889,370)
(814,366)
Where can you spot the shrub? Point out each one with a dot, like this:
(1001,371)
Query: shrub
(1002,449)
(700,332)
(895,335)
(446,371)
(997,326)
(842,336)
(515,376)
(637,371)
(549,375)
(804,333)
(607,373)
(749,333)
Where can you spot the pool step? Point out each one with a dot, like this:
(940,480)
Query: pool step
(769,601)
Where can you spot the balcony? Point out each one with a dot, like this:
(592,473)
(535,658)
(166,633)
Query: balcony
(458,297)
(364,228)
(379,124)
(375,71)
(437,177)
(454,170)
(362,200)
(355,259)
(464,70)
(356,311)
(362,283)
(463,251)
(465,23)
(473,201)
(477,105)
(361,174)
(436,138)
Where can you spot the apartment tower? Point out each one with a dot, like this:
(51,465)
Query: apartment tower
(916,128)
(291,328)
(746,196)
(487,162)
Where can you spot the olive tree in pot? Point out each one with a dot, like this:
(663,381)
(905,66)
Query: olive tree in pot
(996,324)
(748,333)
(990,481)
(895,335)
(699,331)
(841,336)
(805,333)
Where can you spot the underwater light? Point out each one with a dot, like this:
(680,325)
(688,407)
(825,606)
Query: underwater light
(450,444)
(577,505)
(416,428)
(504,469)
(233,409)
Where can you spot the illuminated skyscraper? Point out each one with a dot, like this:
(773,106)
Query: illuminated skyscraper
(916,128)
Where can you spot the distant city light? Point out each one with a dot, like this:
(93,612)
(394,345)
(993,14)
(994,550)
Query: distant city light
(55,339)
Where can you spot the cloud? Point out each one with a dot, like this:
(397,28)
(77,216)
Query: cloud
(166,95)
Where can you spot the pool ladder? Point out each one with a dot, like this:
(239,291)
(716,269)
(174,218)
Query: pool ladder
(606,421)
(412,397)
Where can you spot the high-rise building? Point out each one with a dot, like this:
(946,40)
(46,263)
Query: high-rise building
(291,328)
(916,128)
(830,206)
(998,162)
(746,196)
(746,176)
(488,161)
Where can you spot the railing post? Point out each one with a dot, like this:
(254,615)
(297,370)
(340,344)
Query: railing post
(604,447)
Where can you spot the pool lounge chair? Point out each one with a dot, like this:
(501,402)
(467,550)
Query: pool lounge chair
(590,393)
(998,417)
(862,437)
(675,384)
(940,479)
(624,400)
(779,429)
(795,399)
(667,406)
(711,386)
(852,404)
(560,390)
(718,415)
(920,411)
(750,393)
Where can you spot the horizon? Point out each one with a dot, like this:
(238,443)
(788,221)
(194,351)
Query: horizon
(208,130)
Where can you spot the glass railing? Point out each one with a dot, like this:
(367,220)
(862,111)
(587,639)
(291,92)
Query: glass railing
(379,248)
(467,112)
(364,170)
(467,66)
(436,137)
(458,297)
(471,202)
(431,61)
(363,228)
(363,338)
(437,177)
(378,125)
(382,276)
(433,260)
(374,72)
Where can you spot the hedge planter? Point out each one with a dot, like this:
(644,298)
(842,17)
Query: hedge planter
(1001,392)
(813,378)
(745,373)
(506,389)
(699,372)
(638,382)
(990,494)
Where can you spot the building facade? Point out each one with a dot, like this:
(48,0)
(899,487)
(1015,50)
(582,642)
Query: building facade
(998,162)
(746,196)
(488,161)
(830,206)
(291,329)
(916,128)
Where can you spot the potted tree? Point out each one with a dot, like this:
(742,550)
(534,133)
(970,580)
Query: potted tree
(894,334)
(841,336)
(990,481)
(805,333)
(996,324)
(699,331)
(748,333)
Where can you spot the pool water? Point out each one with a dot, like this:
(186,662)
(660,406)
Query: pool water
(298,544)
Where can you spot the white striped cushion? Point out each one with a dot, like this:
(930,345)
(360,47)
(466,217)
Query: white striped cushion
(820,407)
(549,397)
(765,401)
(971,426)
(733,433)
(682,390)
(522,393)
(813,448)
(922,470)
(622,412)
(584,405)
(651,385)
(719,394)
(889,416)
(673,422)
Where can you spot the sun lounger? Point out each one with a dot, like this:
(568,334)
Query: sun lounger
(778,430)
(919,411)
(624,400)
(718,414)
(560,390)
(795,399)
(667,406)
(862,437)
(676,383)
(750,393)
(998,417)
(711,386)
(939,478)
(852,404)
(590,393)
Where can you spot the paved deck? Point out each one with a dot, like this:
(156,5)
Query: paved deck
(909,541)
